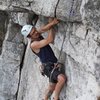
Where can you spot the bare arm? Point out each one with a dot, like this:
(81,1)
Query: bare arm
(39,44)
(48,26)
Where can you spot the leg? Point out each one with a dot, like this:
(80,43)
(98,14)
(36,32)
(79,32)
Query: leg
(61,81)
(49,91)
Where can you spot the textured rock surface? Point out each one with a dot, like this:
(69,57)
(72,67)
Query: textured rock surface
(61,9)
(90,11)
(19,70)
(68,8)
(3,27)
(11,58)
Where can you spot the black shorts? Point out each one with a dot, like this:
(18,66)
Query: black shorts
(48,67)
(56,72)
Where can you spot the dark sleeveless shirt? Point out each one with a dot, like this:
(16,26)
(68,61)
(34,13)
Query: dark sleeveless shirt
(46,54)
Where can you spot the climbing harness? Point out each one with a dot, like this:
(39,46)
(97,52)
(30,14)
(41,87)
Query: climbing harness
(57,66)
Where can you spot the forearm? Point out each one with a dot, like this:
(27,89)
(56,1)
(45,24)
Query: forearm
(45,28)
(39,44)
(51,35)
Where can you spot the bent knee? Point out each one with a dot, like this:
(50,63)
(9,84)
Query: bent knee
(62,78)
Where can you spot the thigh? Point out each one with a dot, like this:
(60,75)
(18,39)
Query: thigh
(60,83)
(61,78)
(54,76)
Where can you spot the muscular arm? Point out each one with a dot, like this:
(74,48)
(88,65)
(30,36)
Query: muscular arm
(39,44)
(48,26)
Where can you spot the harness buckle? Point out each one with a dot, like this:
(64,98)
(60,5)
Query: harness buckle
(58,65)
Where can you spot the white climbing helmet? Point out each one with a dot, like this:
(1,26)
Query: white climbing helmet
(26,29)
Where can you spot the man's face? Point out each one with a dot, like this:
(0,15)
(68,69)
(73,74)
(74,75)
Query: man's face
(33,34)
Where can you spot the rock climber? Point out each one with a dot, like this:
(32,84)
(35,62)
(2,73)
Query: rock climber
(40,46)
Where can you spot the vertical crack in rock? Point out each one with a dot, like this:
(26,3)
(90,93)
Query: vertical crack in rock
(21,66)
(56,8)
(3,27)
(72,58)
(69,35)
(87,31)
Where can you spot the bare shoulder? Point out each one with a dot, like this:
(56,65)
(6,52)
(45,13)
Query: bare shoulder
(39,44)
(33,46)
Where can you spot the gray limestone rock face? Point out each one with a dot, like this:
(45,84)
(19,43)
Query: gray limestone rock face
(44,7)
(90,11)
(97,65)
(3,27)
(83,77)
(23,18)
(48,8)
(32,83)
(60,9)
(69,10)
(20,78)
(11,59)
